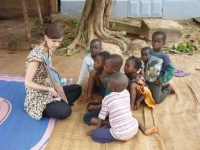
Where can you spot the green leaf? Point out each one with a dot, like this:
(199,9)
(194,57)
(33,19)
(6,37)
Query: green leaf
(75,21)
(87,49)
(175,46)
(181,47)
(187,36)
(199,42)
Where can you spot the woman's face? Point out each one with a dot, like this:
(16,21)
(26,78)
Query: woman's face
(53,44)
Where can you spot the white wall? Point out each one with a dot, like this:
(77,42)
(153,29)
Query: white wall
(167,9)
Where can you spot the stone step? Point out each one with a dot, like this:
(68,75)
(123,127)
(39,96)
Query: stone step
(172,29)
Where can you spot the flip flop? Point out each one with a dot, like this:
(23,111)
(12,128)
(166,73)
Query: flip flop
(180,73)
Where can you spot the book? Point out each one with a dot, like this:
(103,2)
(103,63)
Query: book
(55,79)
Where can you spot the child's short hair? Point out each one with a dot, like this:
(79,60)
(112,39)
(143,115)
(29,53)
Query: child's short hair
(117,60)
(145,48)
(159,33)
(96,40)
(104,55)
(54,31)
(119,80)
(137,61)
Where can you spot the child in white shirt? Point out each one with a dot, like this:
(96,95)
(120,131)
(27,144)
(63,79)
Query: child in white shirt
(95,48)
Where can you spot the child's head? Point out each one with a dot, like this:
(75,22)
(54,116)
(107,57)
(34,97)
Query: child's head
(95,47)
(158,40)
(113,64)
(117,82)
(100,60)
(132,65)
(53,36)
(145,53)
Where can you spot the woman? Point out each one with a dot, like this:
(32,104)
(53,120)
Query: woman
(39,100)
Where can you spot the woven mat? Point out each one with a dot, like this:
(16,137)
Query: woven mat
(18,131)
(178,119)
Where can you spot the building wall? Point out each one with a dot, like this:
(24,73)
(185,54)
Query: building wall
(167,9)
(13,8)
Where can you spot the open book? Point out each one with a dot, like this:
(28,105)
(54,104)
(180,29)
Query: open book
(55,81)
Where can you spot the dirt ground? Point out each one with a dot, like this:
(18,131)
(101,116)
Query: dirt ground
(177,117)
(13,62)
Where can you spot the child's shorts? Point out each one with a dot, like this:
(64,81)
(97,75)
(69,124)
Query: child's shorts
(99,89)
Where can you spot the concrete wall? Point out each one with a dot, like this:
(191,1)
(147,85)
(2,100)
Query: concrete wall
(13,8)
(181,9)
(167,9)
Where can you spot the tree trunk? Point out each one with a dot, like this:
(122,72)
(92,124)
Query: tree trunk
(94,23)
(39,12)
(25,14)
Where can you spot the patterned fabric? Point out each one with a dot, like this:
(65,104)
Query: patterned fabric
(36,100)
(117,105)
(143,89)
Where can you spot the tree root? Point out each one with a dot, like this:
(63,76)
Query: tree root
(94,23)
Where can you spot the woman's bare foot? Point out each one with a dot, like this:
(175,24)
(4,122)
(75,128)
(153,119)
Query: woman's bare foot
(151,130)
(172,90)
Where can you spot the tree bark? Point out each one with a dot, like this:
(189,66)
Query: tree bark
(94,23)
(39,12)
(25,14)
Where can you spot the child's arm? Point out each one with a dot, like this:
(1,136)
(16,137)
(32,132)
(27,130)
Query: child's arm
(168,75)
(132,89)
(100,123)
(83,71)
(88,95)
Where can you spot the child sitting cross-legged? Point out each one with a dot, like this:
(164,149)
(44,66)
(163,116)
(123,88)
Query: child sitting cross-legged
(123,126)
(137,87)
(96,81)
(112,65)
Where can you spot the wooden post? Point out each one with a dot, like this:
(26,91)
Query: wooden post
(25,14)
(54,6)
(39,12)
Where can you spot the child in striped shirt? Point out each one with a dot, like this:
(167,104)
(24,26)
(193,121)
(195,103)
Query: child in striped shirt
(123,126)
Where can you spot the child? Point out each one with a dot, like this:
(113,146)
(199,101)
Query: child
(160,92)
(139,91)
(123,126)
(96,79)
(112,65)
(95,48)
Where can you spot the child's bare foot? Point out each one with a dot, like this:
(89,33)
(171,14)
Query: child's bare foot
(171,88)
(89,133)
(165,86)
(151,130)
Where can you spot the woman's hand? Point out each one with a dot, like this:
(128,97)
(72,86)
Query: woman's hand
(52,91)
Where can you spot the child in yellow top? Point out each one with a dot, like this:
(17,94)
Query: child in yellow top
(137,87)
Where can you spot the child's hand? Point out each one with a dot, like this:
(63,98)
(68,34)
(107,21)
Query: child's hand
(65,81)
(137,105)
(157,82)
